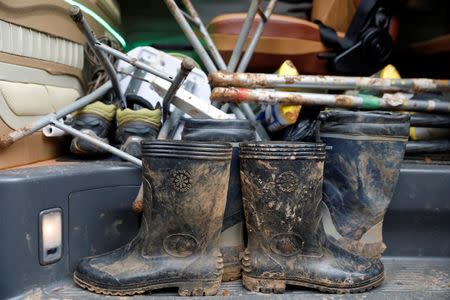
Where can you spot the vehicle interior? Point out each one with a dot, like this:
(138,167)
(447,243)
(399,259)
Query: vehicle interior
(47,66)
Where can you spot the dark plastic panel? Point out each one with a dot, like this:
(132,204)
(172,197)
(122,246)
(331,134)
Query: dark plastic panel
(100,220)
(418,220)
(24,193)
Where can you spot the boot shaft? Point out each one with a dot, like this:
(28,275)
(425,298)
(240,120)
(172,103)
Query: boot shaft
(282,187)
(185,189)
(218,130)
(177,245)
(361,170)
(232,131)
(232,236)
(282,193)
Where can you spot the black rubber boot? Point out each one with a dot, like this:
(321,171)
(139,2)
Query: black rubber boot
(282,193)
(185,187)
(361,172)
(131,134)
(94,120)
(139,122)
(232,236)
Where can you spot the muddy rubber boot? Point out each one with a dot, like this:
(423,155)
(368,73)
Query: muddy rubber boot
(185,186)
(361,172)
(94,119)
(282,193)
(134,126)
(232,236)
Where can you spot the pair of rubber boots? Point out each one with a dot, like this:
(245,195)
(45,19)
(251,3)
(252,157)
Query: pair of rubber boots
(361,170)
(132,126)
(185,187)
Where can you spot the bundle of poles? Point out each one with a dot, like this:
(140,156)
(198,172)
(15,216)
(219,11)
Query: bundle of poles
(211,58)
(236,91)
(430,130)
(261,89)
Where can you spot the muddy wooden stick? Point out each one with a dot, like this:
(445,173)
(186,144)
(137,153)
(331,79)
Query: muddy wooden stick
(255,80)
(368,102)
(186,66)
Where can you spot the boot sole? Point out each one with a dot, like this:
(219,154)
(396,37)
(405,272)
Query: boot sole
(194,288)
(278,286)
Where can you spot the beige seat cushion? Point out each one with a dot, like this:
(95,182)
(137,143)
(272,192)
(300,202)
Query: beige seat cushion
(28,99)
(26,94)
(22,103)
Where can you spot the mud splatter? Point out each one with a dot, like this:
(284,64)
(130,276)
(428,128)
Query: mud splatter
(5,141)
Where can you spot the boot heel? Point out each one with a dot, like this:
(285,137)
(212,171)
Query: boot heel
(200,288)
(267,286)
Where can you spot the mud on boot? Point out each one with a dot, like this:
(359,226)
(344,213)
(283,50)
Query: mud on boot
(282,193)
(232,235)
(94,120)
(134,126)
(362,166)
(185,186)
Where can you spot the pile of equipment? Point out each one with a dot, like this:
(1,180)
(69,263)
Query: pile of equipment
(278,179)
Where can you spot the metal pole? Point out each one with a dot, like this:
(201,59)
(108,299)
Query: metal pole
(190,35)
(237,112)
(436,146)
(188,102)
(236,54)
(132,61)
(186,66)
(208,41)
(97,142)
(246,109)
(256,80)
(77,16)
(368,102)
(430,120)
(256,36)
(12,137)
(206,59)
(225,107)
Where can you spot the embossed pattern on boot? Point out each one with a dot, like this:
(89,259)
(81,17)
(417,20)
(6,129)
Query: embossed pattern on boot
(282,194)
(178,241)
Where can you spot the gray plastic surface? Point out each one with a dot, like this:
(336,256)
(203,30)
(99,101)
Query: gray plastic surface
(417,222)
(100,220)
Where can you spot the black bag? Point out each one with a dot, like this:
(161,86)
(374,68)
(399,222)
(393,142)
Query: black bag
(367,46)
